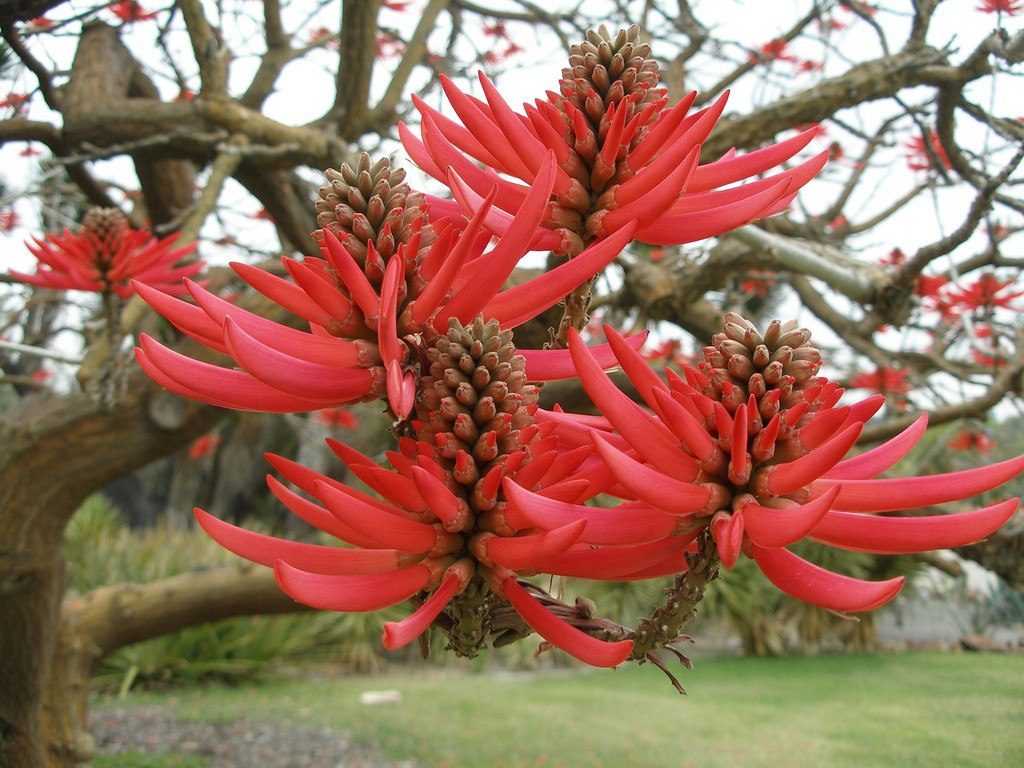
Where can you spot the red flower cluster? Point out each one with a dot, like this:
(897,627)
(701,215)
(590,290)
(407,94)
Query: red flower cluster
(751,446)
(368,301)
(884,381)
(8,221)
(130,11)
(744,455)
(108,255)
(1009,7)
(339,417)
(203,446)
(918,158)
(15,101)
(971,440)
(622,156)
(985,293)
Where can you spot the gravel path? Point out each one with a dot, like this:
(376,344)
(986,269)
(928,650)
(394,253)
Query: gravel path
(235,744)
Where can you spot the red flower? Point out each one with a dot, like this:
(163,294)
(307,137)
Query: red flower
(884,380)
(129,11)
(29,151)
(396,5)
(667,350)
(15,101)
(918,158)
(750,447)
(895,258)
(389,46)
(41,376)
(1009,7)
(442,522)
(39,24)
(203,446)
(657,165)
(338,417)
(261,215)
(185,95)
(497,29)
(970,439)
(423,284)
(984,293)
(808,65)
(929,286)
(773,50)
(8,220)
(106,254)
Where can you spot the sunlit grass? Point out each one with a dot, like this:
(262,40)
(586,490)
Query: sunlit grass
(889,710)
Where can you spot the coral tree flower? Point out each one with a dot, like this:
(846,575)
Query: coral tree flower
(387,280)
(918,157)
(107,255)
(1009,7)
(623,155)
(971,439)
(987,293)
(883,380)
(751,446)
(441,533)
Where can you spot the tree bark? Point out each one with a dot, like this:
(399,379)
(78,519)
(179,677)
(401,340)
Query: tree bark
(54,452)
(97,624)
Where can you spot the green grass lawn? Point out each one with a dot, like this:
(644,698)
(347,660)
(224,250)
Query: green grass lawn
(890,710)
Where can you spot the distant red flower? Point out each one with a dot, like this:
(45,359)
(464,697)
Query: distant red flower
(809,65)
(918,158)
(657,253)
(39,24)
(928,286)
(986,359)
(757,285)
(984,293)
(773,50)
(895,258)
(396,5)
(8,220)
(203,446)
(666,350)
(129,11)
(107,254)
(185,95)
(838,223)
(262,215)
(321,34)
(970,439)
(388,46)
(29,151)
(884,381)
(338,417)
(1009,7)
(41,375)
(497,29)
(830,24)
(15,101)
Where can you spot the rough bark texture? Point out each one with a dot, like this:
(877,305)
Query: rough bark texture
(95,625)
(54,452)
